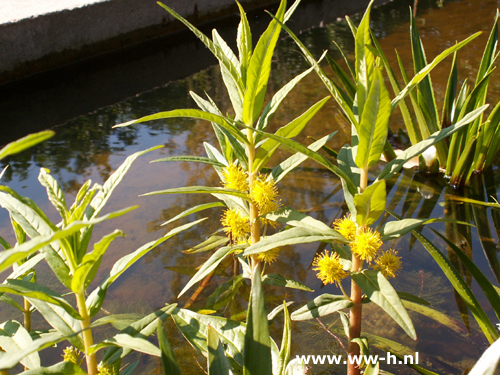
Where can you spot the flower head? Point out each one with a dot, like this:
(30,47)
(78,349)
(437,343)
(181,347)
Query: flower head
(105,369)
(269,256)
(346,227)
(366,244)
(388,263)
(72,354)
(235,178)
(264,194)
(329,267)
(236,224)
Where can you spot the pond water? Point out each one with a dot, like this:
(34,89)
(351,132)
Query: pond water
(87,148)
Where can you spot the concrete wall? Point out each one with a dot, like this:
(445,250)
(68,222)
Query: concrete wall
(39,43)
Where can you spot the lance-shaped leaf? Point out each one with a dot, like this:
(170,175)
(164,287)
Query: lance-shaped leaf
(54,192)
(168,360)
(200,190)
(259,68)
(396,229)
(129,342)
(370,204)
(32,290)
(25,142)
(141,329)
(9,360)
(425,71)
(286,343)
(380,291)
(396,164)
(194,159)
(193,210)
(13,338)
(322,305)
(61,368)
(59,319)
(210,265)
(96,298)
(435,315)
(257,342)
(217,361)
(292,236)
(278,280)
(374,123)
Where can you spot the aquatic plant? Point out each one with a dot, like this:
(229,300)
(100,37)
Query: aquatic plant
(65,248)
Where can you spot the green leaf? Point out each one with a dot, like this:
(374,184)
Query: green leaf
(210,265)
(423,72)
(488,362)
(297,147)
(277,99)
(322,305)
(435,315)
(194,159)
(112,182)
(61,368)
(25,142)
(96,298)
(277,310)
(10,301)
(292,129)
(396,164)
(257,340)
(14,338)
(259,68)
(289,237)
(372,369)
(118,321)
(370,204)
(54,192)
(9,360)
(396,229)
(211,243)
(286,343)
(142,328)
(244,41)
(278,280)
(224,293)
(200,190)
(289,216)
(410,297)
(32,290)
(482,280)
(87,269)
(194,327)
(380,291)
(459,285)
(61,320)
(217,361)
(168,360)
(374,123)
(130,342)
(280,171)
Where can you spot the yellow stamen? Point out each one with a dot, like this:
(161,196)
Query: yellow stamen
(388,263)
(366,244)
(329,267)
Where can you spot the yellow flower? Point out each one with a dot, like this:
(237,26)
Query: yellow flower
(235,224)
(346,227)
(264,193)
(72,354)
(388,263)
(235,178)
(104,369)
(329,267)
(269,256)
(366,244)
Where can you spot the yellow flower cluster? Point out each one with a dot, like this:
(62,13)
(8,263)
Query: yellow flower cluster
(269,256)
(236,224)
(388,263)
(366,244)
(104,369)
(329,267)
(346,227)
(235,178)
(71,354)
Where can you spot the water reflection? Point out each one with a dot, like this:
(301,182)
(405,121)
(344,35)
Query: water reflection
(87,147)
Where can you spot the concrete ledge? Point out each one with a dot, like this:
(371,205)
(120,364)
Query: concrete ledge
(37,36)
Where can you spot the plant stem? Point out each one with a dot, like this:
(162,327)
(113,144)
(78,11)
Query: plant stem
(27,315)
(354,321)
(254,211)
(88,340)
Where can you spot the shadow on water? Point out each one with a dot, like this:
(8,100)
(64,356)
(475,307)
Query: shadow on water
(86,147)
